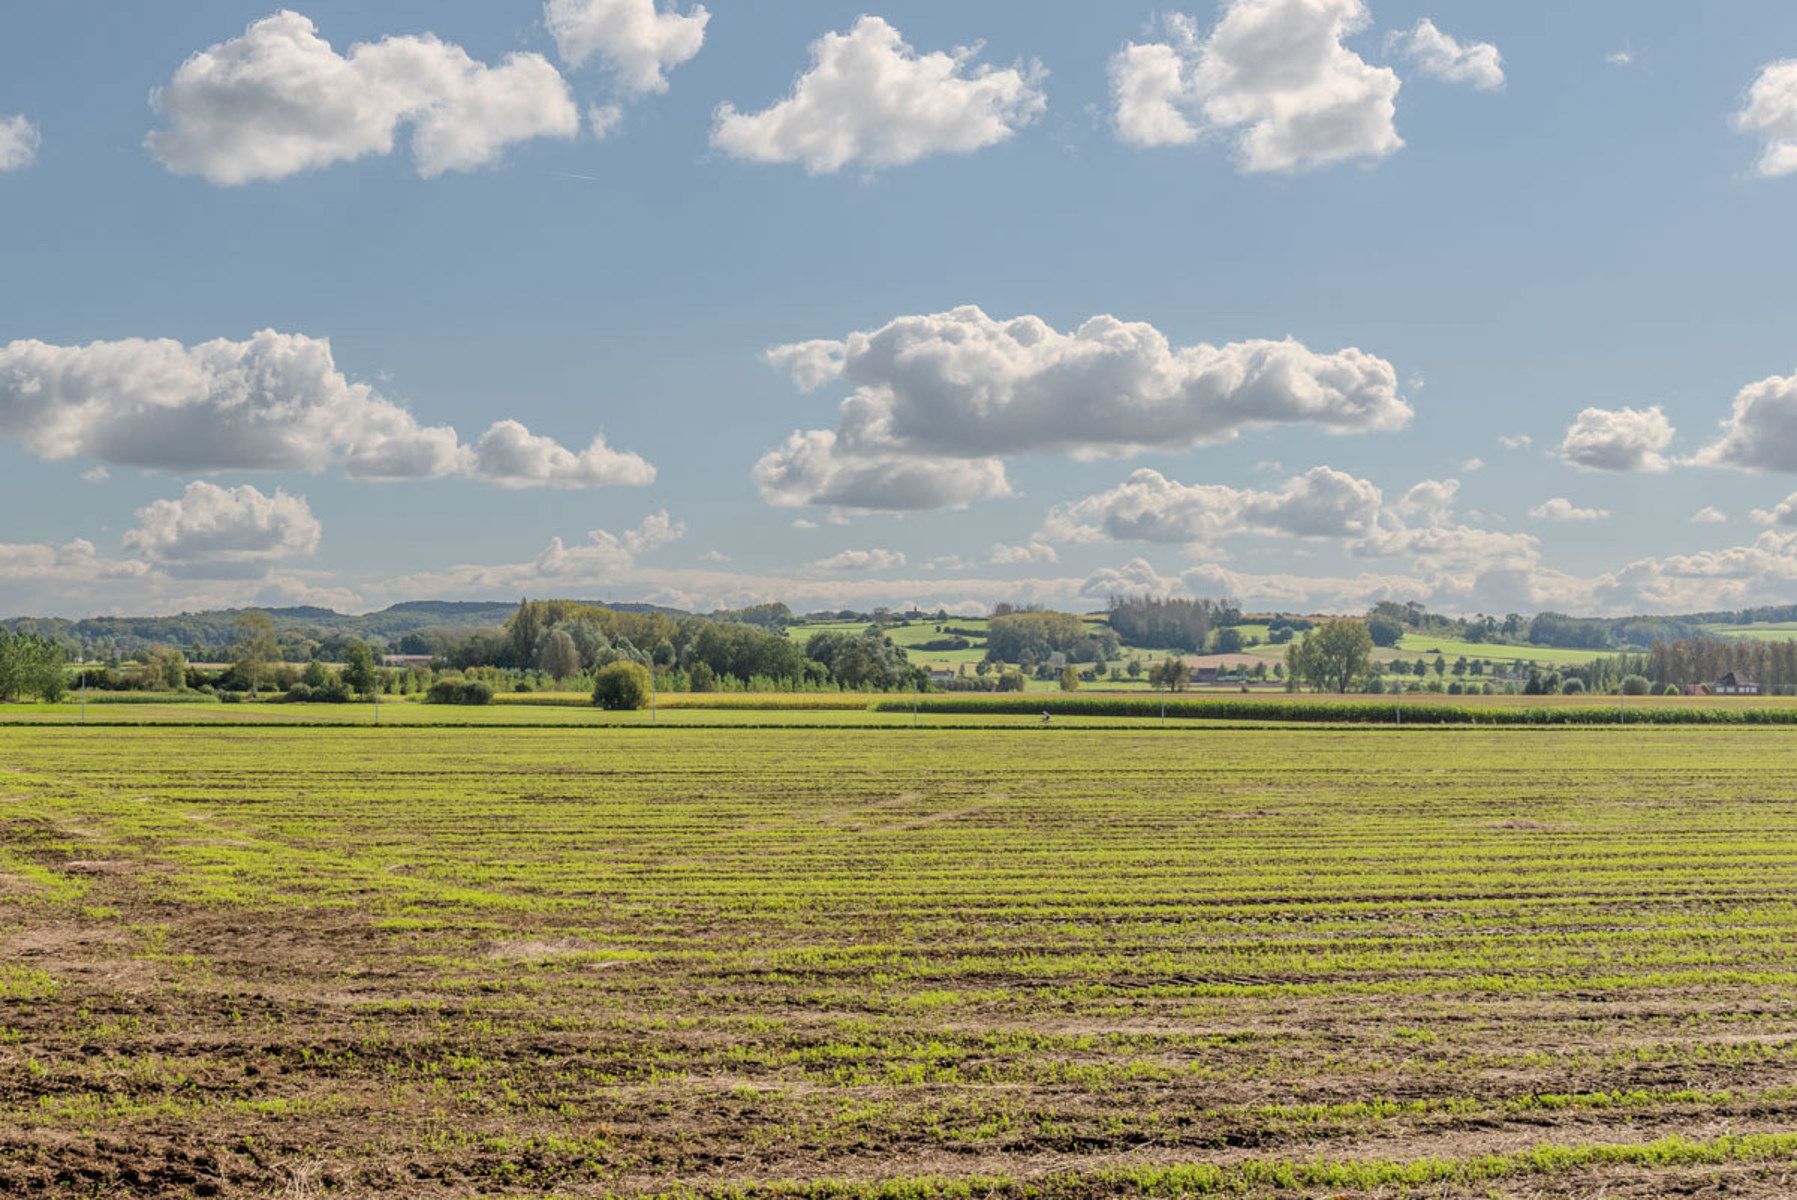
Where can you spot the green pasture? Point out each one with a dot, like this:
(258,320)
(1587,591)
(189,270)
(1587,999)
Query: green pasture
(1762,631)
(1412,645)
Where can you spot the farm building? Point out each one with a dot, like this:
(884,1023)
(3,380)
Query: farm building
(1735,684)
(407,660)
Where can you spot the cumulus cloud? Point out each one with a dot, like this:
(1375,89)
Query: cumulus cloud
(861,560)
(1770,114)
(1429,501)
(74,563)
(512,456)
(1782,513)
(224,533)
(279,100)
(597,565)
(813,467)
(1460,549)
(1561,509)
(19,140)
(1709,514)
(1516,441)
(1476,64)
(1619,439)
(938,400)
(1273,74)
(275,401)
(637,41)
(1761,430)
(1149,507)
(1033,551)
(870,99)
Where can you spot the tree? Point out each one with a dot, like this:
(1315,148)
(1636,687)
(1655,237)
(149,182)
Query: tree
(359,674)
(1134,668)
(170,668)
(1635,685)
(1334,655)
(1384,630)
(31,666)
(1170,624)
(523,630)
(1229,640)
(255,648)
(1170,673)
(315,675)
(1070,679)
(622,685)
(559,655)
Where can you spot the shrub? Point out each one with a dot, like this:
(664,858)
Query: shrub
(1636,685)
(1670,689)
(621,686)
(1572,687)
(459,691)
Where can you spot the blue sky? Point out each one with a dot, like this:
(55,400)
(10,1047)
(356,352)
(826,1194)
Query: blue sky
(1588,215)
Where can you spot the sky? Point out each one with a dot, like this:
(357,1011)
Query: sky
(1307,303)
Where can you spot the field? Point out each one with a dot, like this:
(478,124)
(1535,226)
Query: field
(945,962)
(1764,631)
(913,634)
(1413,645)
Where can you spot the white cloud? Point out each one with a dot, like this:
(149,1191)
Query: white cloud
(869,98)
(1476,64)
(1709,514)
(593,568)
(74,563)
(1473,464)
(1275,74)
(604,119)
(939,400)
(1770,113)
(512,456)
(19,140)
(638,42)
(812,467)
(1620,58)
(861,560)
(275,401)
(1429,501)
(1516,441)
(211,532)
(1733,577)
(1561,509)
(1459,549)
(1033,551)
(279,100)
(1761,430)
(1782,513)
(1149,507)
(1620,439)
(714,556)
